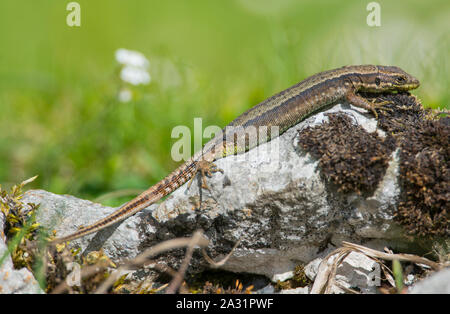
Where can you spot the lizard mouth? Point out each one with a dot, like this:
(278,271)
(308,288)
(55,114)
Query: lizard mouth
(404,88)
(412,83)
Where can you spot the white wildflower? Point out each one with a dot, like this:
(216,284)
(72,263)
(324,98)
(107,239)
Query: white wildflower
(135,75)
(131,58)
(125,95)
(134,67)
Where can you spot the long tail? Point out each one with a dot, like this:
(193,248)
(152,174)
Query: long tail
(174,180)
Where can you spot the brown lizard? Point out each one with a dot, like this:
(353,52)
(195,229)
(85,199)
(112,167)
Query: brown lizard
(284,110)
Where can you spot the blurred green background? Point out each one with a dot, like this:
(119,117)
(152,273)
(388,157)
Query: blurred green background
(60,117)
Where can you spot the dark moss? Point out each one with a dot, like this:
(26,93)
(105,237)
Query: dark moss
(356,160)
(424,141)
(350,157)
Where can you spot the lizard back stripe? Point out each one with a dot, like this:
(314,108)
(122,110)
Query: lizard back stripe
(284,110)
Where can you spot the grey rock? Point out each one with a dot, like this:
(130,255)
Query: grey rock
(269,289)
(437,283)
(2,225)
(65,214)
(312,268)
(17,281)
(357,271)
(283,277)
(300,290)
(271,198)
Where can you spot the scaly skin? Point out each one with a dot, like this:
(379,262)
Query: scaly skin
(282,110)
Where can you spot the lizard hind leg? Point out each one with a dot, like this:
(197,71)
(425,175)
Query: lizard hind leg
(205,169)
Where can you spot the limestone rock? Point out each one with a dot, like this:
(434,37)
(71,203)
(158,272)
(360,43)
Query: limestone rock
(272,198)
(357,271)
(437,283)
(14,280)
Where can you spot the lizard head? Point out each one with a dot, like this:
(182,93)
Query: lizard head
(388,79)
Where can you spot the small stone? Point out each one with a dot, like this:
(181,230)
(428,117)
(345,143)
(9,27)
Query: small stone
(299,290)
(312,267)
(437,283)
(357,272)
(15,281)
(283,277)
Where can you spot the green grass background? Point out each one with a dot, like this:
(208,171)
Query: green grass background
(59,114)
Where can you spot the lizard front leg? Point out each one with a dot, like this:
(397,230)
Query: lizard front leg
(361,102)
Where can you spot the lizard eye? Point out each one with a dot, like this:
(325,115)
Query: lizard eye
(401,79)
(377,81)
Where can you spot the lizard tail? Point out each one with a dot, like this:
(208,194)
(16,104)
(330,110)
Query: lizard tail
(174,180)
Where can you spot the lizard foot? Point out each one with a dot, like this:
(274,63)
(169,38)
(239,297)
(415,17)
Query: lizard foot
(380,106)
(206,169)
(371,105)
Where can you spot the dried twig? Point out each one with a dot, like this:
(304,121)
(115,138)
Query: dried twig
(222,261)
(340,257)
(328,267)
(327,270)
(178,278)
(154,250)
(85,272)
(137,261)
(390,257)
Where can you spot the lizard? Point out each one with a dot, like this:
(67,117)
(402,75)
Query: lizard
(283,110)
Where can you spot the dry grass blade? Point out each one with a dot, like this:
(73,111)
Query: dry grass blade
(340,257)
(347,290)
(178,278)
(222,261)
(137,261)
(389,256)
(28,180)
(142,258)
(328,267)
(85,272)
(327,270)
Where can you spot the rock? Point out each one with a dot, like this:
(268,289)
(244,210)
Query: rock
(358,272)
(312,268)
(269,289)
(65,214)
(14,280)
(19,281)
(300,290)
(437,283)
(283,277)
(272,198)
(410,279)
